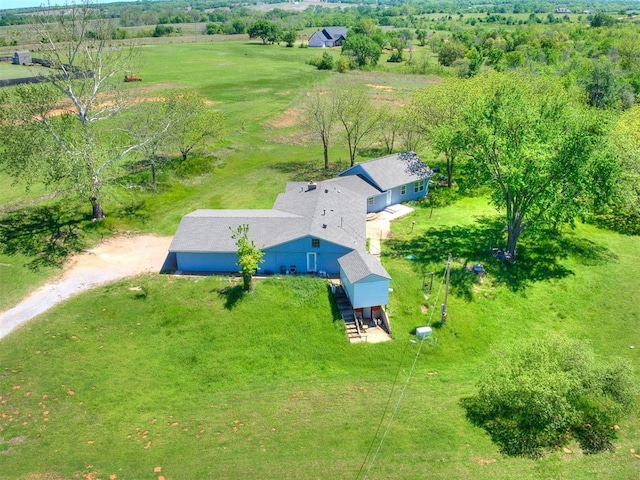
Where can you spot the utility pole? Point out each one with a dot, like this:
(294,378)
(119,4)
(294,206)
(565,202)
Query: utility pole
(443,322)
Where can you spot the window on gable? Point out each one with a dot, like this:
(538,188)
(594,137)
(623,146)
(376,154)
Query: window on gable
(370,201)
(403,190)
(315,243)
(418,186)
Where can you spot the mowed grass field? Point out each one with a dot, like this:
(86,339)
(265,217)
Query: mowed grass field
(188,375)
(10,71)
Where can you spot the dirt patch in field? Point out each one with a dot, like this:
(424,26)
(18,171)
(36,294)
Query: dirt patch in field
(105,100)
(290,118)
(387,88)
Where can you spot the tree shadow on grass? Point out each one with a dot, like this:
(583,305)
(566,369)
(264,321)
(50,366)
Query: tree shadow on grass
(231,295)
(48,235)
(538,259)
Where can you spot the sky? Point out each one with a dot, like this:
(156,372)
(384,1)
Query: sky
(6,4)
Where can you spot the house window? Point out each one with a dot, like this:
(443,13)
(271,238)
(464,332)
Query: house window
(315,243)
(403,190)
(418,186)
(370,201)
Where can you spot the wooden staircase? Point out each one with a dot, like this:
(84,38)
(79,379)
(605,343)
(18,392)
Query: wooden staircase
(346,312)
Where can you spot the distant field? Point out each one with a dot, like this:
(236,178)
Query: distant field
(293,6)
(8,71)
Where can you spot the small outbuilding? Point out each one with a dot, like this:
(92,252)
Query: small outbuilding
(22,57)
(365,281)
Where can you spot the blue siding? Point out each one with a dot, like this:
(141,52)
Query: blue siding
(295,253)
(347,286)
(206,262)
(368,292)
(380,201)
(288,254)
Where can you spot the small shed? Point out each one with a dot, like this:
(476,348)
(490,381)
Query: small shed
(364,280)
(22,57)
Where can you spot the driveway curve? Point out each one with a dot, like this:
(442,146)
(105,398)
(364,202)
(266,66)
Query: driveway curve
(113,259)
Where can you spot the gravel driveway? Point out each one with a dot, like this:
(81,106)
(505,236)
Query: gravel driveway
(113,259)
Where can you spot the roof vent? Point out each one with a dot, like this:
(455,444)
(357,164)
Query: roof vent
(311,186)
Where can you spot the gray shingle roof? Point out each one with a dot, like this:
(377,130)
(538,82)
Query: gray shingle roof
(209,230)
(359,265)
(333,33)
(335,211)
(392,170)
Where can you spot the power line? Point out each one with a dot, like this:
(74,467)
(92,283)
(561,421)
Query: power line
(384,413)
(404,388)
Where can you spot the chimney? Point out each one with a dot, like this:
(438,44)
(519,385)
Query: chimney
(311,186)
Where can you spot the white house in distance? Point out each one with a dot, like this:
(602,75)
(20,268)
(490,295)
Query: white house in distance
(328,37)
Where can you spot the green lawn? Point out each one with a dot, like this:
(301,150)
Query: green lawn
(221,385)
(10,71)
(190,375)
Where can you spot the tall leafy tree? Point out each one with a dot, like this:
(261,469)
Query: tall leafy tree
(267,31)
(602,86)
(319,116)
(538,394)
(149,123)
(290,37)
(357,115)
(625,213)
(543,156)
(390,126)
(438,111)
(68,147)
(363,50)
(193,122)
(249,255)
(450,52)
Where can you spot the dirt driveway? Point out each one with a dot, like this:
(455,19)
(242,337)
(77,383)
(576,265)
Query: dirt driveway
(113,259)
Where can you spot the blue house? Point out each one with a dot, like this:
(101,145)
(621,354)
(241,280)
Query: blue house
(397,178)
(312,227)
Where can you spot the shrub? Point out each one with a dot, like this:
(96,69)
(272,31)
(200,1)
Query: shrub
(326,62)
(163,30)
(342,65)
(539,394)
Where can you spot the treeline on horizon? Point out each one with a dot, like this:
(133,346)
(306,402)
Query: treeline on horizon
(201,11)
